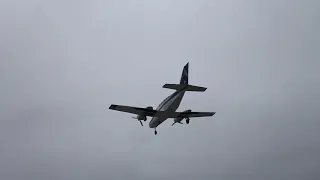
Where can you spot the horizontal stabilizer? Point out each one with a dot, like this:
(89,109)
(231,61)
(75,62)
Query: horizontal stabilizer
(196,88)
(185,87)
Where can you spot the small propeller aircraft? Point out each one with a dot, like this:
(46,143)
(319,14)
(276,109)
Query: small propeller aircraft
(167,108)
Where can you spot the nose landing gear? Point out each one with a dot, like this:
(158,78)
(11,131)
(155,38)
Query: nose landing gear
(155,132)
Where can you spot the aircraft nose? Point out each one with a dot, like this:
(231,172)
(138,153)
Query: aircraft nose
(153,122)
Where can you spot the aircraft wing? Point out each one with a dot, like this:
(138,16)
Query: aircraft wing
(133,110)
(191,114)
(152,112)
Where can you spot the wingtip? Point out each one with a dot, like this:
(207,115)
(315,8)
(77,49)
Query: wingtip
(112,106)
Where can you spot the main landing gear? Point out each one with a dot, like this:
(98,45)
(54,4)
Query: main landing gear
(187,120)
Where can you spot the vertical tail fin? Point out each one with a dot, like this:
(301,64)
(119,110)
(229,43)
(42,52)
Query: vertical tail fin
(184,85)
(184,76)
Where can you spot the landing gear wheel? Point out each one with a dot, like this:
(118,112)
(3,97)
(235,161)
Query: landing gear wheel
(155,132)
(187,120)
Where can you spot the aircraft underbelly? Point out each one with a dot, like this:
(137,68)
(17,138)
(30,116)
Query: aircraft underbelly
(156,121)
(170,106)
(174,105)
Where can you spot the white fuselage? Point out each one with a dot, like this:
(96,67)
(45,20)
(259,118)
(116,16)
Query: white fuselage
(170,104)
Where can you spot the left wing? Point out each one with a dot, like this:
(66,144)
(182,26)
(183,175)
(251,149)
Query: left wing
(191,114)
(133,110)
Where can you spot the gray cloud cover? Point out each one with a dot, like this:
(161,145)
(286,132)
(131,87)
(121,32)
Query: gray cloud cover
(64,62)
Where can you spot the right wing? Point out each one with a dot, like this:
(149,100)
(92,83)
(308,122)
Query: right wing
(134,110)
(191,114)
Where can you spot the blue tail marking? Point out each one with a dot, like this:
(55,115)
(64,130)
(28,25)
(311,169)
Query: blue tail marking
(184,76)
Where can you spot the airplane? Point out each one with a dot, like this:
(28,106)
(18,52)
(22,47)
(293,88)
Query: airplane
(167,108)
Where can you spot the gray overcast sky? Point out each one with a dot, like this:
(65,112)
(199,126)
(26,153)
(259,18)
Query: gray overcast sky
(62,63)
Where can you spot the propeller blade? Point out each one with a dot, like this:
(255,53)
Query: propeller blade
(173,123)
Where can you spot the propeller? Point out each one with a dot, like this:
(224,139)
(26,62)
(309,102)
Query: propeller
(138,120)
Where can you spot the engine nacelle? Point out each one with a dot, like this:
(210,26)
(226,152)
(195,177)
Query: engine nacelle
(149,107)
(142,117)
(179,119)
